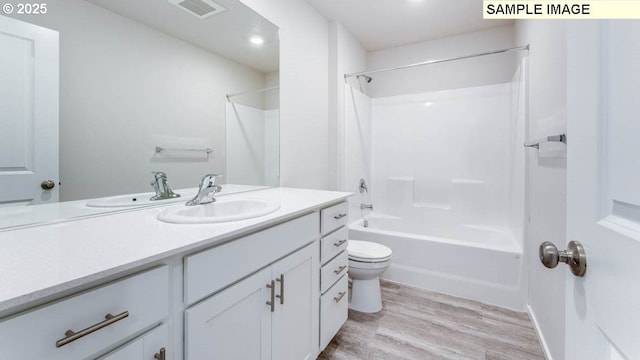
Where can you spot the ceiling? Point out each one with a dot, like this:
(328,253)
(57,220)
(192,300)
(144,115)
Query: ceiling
(382,24)
(226,33)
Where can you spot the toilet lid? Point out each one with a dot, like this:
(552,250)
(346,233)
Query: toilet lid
(366,250)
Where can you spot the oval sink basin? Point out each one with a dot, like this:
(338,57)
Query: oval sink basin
(128,200)
(220,211)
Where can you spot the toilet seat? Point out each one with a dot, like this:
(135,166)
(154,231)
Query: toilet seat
(368,252)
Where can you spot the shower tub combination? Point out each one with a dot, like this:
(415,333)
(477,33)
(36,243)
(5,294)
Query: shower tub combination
(446,170)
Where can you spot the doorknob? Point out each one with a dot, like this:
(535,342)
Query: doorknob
(574,256)
(47,184)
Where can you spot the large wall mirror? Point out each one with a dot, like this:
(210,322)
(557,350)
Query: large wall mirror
(185,87)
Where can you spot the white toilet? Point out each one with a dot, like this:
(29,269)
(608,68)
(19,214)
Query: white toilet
(367,260)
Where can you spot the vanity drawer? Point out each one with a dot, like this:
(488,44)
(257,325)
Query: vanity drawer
(212,270)
(333,217)
(138,302)
(333,270)
(334,307)
(333,244)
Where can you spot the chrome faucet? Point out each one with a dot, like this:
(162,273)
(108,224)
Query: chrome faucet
(207,189)
(366,207)
(161,187)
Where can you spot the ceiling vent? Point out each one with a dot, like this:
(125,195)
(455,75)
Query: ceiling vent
(201,9)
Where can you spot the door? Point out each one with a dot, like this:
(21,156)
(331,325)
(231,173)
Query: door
(295,321)
(603,189)
(29,113)
(234,324)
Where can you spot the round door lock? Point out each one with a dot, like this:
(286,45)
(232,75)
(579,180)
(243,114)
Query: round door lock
(574,256)
(47,185)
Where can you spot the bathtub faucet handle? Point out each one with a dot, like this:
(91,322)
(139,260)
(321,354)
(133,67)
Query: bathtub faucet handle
(366,207)
(363,186)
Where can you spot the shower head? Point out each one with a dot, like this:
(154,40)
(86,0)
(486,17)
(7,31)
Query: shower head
(367,78)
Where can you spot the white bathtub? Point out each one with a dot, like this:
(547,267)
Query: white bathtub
(479,263)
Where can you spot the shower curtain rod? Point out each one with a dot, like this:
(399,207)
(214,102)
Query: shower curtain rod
(252,92)
(517,48)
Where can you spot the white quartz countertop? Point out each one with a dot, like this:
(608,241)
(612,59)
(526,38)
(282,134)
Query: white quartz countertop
(42,261)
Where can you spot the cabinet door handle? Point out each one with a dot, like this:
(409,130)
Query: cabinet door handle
(340,216)
(272,303)
(339,243)
(340,269)
(161,355)
(281,296)
(340,296)
(72,336)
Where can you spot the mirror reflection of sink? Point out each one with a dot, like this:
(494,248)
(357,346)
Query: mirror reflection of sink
(222,210)
(142,199)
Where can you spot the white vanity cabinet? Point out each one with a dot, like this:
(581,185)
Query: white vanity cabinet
(241,290)
(269,315)
(85,325)
(334,282)
(273,312)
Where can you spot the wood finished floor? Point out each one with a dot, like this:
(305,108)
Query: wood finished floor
(420,324)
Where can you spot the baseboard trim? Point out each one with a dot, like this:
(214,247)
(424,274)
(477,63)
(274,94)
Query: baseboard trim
(545,348)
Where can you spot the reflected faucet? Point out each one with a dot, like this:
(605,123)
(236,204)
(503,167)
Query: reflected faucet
(161,187)
(207,189)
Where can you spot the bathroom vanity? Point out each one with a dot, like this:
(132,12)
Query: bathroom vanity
(128,286)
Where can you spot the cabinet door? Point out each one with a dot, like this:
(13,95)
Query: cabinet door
(234,324)
(295,321)
(144,347)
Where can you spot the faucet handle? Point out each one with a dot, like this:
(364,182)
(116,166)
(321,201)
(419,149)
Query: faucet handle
(209,180)
(157,176)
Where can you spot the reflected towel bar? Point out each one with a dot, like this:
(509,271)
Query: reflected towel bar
(552,138)
(161,149)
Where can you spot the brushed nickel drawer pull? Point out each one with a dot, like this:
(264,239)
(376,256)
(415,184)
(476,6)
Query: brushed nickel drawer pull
(340,216)
(339,243)
(281,296)
(272,303)
(340,269)
(72,336)
(161,355)
(340,296)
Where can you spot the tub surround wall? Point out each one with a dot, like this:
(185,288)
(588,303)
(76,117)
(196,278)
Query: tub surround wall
(546,176)
(444,157)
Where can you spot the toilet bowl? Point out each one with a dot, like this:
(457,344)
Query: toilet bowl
(367,260)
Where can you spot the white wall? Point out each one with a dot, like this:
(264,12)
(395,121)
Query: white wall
(547,176)
(484,70)
(304,91)
(126,88)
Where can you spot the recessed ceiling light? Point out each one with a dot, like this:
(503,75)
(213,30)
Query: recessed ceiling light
(257,40)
